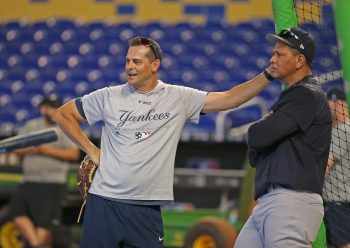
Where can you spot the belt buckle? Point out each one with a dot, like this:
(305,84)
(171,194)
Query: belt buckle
(271,187)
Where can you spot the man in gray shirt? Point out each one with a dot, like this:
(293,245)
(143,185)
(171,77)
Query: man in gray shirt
(336,189)
(143,120)
(36,206)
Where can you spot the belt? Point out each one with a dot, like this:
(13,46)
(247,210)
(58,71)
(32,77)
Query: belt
(273,186)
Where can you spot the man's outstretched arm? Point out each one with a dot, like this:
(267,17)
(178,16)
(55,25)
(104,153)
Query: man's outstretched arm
(234,97)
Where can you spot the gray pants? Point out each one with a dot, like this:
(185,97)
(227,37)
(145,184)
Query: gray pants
(283,218)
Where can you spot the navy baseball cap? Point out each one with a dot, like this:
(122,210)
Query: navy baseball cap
(336,93)
(298,39)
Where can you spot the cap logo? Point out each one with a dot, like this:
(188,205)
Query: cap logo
(301,46)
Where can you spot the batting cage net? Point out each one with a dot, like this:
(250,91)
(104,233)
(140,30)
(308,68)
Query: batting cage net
(317,17)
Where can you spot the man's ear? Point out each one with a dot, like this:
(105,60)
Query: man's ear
(300,59)
(155,65)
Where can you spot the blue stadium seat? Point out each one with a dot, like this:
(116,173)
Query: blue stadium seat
(257,62)
(8,121)
(16,35)
(117,49)
(62,75)
(123,36)
(13,48)
(263,26)
(66,89)
(44,62)
(2,47)
(310,27)
(98,25)
(5,87)
(60,61)
(78,74)
(34,88)
(112,75)
(27,48)
(20,24)
(74,61)
(7,118)
(61,24)
(96,35)
(43,25)
(169,62)
(56,48)
(94,76)
(174,48)
(189,76)
(30,61)
(82,88)
(203,131)
(42,35)
(16,73)
(24,101)
(158,25)
(244,116)
(158,35)
(3,74)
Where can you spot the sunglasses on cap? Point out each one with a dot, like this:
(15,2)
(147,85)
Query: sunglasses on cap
(148,43)
(288,34)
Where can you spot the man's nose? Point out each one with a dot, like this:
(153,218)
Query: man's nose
(129,65)
(273,59)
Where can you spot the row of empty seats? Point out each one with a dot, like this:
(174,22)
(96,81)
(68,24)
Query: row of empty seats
(73,58)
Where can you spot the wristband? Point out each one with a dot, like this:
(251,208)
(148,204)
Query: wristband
(268,75)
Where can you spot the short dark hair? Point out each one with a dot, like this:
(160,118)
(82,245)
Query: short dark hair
(336,93)
(156,51)
(52,100)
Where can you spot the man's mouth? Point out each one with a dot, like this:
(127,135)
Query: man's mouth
(132,74)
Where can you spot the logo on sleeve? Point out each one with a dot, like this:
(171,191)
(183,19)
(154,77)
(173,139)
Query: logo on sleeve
(145,102)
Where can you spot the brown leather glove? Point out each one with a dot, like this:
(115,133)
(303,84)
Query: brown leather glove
(86,172)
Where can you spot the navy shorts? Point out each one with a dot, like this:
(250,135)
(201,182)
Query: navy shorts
(41,202)
(110,224)
(337,221)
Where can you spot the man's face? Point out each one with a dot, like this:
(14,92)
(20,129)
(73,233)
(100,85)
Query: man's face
(283,61)
(139,70)
(48,113)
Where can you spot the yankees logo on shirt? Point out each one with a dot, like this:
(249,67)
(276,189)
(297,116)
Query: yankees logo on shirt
(143,134)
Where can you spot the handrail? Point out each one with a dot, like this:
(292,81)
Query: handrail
(220,129)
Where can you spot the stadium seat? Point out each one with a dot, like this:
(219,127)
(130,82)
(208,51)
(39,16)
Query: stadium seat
(74,57)
(203,131)
(3,73)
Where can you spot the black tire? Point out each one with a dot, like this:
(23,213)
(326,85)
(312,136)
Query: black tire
(211,232)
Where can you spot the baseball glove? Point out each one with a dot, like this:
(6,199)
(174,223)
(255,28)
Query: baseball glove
(86,172)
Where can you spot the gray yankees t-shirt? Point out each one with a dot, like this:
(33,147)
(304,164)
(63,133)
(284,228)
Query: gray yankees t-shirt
(139,138)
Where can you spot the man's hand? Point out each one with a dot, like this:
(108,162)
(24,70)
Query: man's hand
(27,150)
(95,156)
(330,163)
(266,116)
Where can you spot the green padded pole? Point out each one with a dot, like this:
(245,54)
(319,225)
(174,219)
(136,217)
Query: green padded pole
(341,14)
(284,14)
